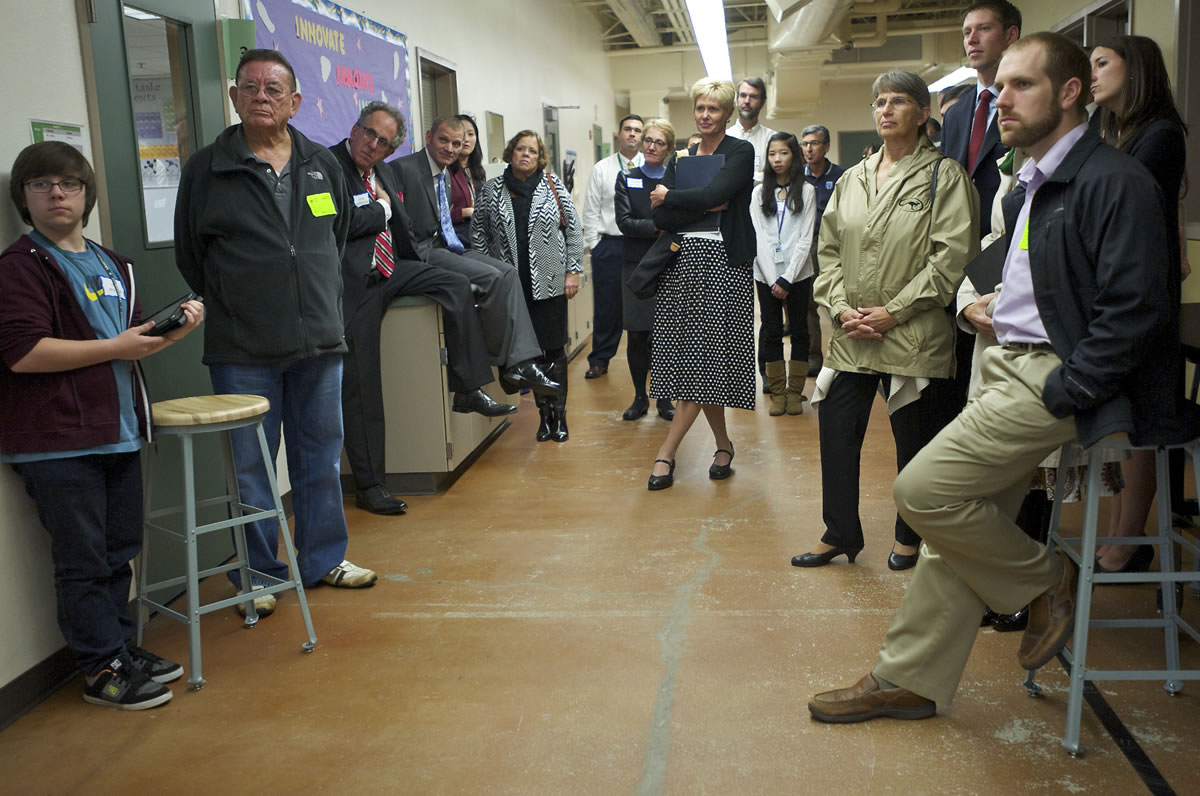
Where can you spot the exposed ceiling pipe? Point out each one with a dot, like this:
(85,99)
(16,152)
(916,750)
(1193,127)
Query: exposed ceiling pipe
(808,27)
(679,48)
(677,12)
(637,22)
(849,35)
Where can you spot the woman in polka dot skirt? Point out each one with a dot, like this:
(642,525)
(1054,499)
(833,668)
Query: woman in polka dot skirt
(703,354)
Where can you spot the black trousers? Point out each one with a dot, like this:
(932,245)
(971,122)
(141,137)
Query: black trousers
(606,299)
(770,309)
(92,507)
(362,387)
(842,422)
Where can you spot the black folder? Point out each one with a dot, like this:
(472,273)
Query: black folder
(987,269)
(698,171)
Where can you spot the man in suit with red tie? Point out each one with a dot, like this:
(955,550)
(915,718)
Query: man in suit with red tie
(969,131)
(971,136)
(378,265)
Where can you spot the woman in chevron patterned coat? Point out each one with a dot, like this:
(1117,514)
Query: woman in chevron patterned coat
(525,217)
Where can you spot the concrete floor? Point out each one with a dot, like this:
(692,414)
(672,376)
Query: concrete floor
(550,626)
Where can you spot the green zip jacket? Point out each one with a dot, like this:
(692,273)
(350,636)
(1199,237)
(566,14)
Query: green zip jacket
(894,248)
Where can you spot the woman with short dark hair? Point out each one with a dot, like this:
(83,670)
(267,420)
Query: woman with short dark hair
(525,217)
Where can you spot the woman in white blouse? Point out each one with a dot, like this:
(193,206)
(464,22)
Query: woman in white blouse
(783,208)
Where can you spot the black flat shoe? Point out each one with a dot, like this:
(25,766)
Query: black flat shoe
(666,410)
(1138,562)
(637,409)
(1011,623)
(821,559)
(719,472)
(658,482)
(898,562)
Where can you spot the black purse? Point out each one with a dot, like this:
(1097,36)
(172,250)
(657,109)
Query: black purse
(643,282)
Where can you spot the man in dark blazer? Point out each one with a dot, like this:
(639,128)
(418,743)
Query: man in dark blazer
(376,268)
(989,27)
(971,135)
(424,186)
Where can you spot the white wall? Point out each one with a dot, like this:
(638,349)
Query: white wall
(53,91)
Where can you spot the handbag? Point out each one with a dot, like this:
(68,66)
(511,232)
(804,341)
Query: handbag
(562,217)
(643,282)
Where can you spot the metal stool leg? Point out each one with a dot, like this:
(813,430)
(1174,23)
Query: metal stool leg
(239,531)
(195,677)
(1083,604)
(1166,561)
(311,644)
(143,614)
(1052,539)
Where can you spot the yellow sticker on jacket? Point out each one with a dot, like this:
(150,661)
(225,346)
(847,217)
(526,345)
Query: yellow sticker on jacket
(321,204)
(1024,244)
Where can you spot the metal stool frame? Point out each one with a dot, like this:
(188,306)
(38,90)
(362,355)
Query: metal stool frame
(1083,552)
(240,514)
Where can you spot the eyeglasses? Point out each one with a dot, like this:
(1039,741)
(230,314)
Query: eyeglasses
(811,144)
(274,91)
(655,142)
(897,103)
(69,185)
(380,141)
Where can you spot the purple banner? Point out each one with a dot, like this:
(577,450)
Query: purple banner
(342,60)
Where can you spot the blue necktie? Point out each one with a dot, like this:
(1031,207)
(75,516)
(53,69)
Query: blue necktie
(448,234)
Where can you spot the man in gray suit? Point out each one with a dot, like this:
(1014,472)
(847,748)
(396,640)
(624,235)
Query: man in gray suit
(424,187)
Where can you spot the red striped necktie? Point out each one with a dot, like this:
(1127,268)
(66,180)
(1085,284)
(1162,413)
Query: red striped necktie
(385,261)
(978,128)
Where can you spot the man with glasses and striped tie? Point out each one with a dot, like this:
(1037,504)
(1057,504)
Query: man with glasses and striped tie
(379,264)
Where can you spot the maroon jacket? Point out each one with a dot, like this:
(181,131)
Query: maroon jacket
(68,410)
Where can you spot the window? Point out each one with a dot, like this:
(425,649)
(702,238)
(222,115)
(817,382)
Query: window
(439,88)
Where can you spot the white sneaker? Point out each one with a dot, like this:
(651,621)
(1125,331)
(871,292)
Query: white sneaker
(264,605)
(348,576)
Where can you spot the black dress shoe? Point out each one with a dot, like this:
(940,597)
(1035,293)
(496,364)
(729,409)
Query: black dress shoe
(821,559)
(719,472)
(637,409)
(478,401)
(377,500)
(658,482)
(1010,623)
(528,374)
(666,410)
(898,562)
(596,371)
(988,617)
(1138,562)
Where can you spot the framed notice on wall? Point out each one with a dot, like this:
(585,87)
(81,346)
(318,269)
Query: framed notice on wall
(342,61)
(73,134)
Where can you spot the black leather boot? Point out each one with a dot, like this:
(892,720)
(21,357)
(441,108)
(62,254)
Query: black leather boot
(545,430)
(558,424)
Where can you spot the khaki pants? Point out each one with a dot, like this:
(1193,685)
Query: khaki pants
(961,493)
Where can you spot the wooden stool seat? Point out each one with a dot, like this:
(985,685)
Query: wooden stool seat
(203,410)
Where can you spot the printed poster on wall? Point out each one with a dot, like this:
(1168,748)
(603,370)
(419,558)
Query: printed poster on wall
(342,61)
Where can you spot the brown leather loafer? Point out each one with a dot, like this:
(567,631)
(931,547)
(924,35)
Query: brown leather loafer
(865,700)
(596,371)
(1051,619)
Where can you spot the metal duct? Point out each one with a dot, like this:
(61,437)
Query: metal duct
(636,21)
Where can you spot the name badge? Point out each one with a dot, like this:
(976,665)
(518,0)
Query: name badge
(321,204)
(634,182)
(778,255)
(829,185)
(362,199)
(757,162)
(1024,244)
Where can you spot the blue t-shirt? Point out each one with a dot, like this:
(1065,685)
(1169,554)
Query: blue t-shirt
(100,291)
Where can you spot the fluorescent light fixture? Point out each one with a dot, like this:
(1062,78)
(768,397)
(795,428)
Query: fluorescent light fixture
(136,13)
(952,79)
(708,23)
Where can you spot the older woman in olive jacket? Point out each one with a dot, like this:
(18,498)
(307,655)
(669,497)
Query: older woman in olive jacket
(894,239)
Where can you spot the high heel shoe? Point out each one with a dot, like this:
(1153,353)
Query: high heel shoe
(658,482)
(1138,562)
(898,562)
(719,472)
(821,559)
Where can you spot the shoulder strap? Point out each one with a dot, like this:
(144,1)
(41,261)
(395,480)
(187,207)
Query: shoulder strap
(562,217)
(933,181)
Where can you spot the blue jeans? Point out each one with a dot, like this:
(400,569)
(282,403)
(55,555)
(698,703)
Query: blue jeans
(306,396)
(92,508)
